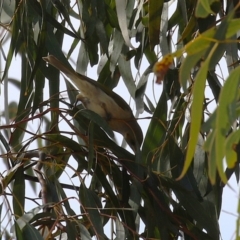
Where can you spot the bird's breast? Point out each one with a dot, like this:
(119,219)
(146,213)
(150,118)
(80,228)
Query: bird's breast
(101,103)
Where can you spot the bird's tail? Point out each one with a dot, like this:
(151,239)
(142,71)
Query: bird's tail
(68,71)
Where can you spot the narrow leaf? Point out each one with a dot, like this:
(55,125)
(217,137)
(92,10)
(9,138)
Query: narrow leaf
(196,110)
(155,8)
(226,114)
(122,20)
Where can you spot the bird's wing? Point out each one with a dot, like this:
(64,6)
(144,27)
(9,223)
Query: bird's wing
(81,85)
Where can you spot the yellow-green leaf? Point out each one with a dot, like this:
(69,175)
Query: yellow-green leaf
(202,42)
(203,8)
(226,114)
(233,27)
(230,143)
(210,145)
(155,11)
(196,110)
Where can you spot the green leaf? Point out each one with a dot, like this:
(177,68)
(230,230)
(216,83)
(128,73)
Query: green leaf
(82,59)
(7,148)
(155,8)
(91,209)
(226,115)
(30,232)
(120,232)
(233,27)
(201,43)
(18,232)
(230,143)
(85,235)
(211,147)
(71,230)
(203,8)
(97,120)
(197,109)
(117,48)
(9,176)
(64,11)
(25,100)
(185,70)
(13,43)
(188,30)
(62,195)
(214,84)
(238,221)
(198,212)
(27,217)
(91,152)
(112,17)
(9,8)
(156,131)
(65,141)
(37,8)
(121,8)
(19,192)
(126,73)
(140,92)
(101,33)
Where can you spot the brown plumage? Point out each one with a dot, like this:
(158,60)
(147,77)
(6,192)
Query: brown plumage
(109,105)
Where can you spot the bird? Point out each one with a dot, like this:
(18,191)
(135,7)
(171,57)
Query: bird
(103,101)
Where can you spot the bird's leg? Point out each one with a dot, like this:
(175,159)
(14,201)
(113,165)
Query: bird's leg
(90,105)
(85,101)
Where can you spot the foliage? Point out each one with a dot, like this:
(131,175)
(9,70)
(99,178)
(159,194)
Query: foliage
(110,191)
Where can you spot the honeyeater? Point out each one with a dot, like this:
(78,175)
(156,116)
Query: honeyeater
(103,101)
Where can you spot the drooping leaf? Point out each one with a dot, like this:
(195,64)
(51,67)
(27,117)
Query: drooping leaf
(156,131)
(226,114)
(196,109)
(155,8)
(204,7)
(121,8)
(91,209)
